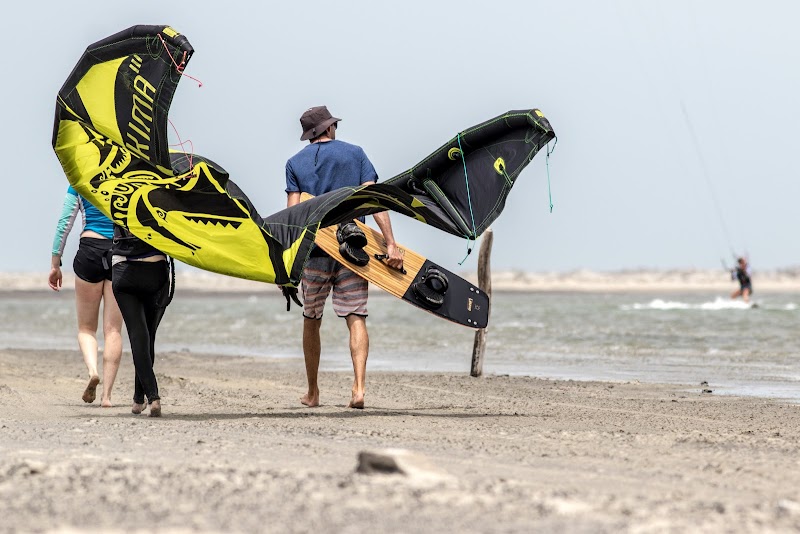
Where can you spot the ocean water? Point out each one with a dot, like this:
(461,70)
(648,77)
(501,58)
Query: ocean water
(673,338)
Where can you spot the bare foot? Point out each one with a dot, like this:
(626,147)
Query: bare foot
(90,393)
(137,408)
(312,401)
(155,408)
(106,403)
(357,401)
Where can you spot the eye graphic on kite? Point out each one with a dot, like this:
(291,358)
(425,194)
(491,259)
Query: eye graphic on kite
(500,166)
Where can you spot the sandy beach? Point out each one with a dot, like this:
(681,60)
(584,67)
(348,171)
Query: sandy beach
(236,452)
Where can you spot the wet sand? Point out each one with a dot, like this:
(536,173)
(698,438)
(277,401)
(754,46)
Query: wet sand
(236,452)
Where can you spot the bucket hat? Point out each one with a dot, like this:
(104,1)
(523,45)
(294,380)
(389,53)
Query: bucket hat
(315,121)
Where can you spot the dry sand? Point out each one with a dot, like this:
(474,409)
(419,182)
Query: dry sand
(236,452)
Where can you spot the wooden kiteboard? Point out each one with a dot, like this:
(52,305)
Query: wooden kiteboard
(463,302)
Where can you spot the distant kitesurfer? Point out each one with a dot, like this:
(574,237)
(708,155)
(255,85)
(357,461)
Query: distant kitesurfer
(324,165)
(92,286)
(742,274)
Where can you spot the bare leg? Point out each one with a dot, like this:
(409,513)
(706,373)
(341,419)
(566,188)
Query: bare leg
(311,352)
(746,295)
(359,350)
(736,294)
(87,299)
(112,345)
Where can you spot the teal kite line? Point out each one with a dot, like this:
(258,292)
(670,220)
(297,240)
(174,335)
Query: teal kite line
(469,198)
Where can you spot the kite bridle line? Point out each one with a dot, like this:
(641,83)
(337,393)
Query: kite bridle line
(179,69)
(469,198)
(180,143)
(547,164)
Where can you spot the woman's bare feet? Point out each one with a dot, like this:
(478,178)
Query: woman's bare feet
(311,399)
(106,403)
(90,393)
(155,408)
(137,408)
(356,401)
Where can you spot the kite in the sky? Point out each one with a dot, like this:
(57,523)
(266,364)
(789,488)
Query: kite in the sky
(110,135)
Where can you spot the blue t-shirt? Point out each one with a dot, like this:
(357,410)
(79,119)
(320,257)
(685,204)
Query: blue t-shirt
(322,167)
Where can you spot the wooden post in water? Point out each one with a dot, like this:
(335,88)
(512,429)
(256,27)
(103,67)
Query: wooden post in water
(485,284)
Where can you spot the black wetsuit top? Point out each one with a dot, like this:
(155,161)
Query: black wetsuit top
(744,278)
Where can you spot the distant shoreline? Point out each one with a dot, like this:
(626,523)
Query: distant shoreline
(643,280)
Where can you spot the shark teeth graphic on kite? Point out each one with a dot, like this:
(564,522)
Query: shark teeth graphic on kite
(213,221)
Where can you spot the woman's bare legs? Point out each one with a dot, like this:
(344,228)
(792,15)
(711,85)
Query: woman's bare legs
(112,344)
(87,299)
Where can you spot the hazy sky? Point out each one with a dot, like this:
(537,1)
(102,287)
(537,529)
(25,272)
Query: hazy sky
(636,182)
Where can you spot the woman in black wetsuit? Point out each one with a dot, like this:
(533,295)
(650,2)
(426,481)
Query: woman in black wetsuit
(141,283)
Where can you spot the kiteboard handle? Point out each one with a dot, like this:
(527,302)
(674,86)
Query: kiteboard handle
(381,257)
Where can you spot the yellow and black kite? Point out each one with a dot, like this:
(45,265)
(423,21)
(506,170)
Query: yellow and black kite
(110,136)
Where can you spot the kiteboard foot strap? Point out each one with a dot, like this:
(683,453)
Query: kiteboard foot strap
(352,241)
(350,232)
(431,288)
(354,255)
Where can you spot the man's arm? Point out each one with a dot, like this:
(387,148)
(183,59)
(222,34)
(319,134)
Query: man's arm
(395,259)
(292,199)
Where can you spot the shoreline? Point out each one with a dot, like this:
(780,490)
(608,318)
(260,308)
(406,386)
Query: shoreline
(235,452)
(635,281)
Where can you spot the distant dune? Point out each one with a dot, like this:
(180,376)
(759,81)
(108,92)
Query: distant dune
(787,280)
(643,280)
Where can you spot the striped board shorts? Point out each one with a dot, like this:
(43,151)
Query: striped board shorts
(349,290)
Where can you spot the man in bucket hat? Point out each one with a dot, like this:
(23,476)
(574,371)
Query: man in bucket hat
(322,166)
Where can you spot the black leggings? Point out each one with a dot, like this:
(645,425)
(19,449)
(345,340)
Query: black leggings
(138,287)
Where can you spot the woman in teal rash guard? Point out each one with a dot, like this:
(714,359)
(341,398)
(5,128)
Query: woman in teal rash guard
(92,286)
